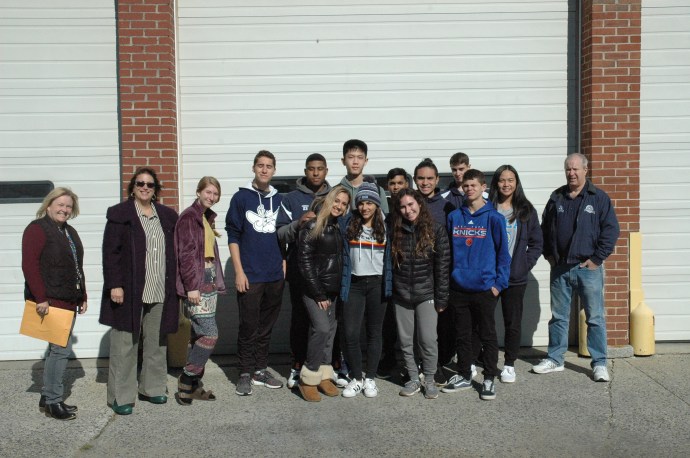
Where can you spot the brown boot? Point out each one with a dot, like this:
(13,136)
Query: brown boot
(328,388)
(309,392)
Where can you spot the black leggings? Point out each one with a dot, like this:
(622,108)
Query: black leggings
(364,299)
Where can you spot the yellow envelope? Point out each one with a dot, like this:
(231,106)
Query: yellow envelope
(54,327)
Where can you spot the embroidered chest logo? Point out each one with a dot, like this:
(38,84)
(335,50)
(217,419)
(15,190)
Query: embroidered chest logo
(263,220)
(305,207)
(560,209)
(589,209)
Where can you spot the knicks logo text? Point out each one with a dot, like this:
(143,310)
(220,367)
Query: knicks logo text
(469,232)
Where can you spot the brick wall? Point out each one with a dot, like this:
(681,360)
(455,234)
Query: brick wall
(147,96)
(611,132)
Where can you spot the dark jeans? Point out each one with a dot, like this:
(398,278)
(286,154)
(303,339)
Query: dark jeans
(445,328)
(299,323)
(258,312)
(511,303)
(321,333)
(479,309)
(364,299)
(390,335)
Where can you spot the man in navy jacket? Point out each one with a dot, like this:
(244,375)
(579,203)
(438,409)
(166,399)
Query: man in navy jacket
(580,231)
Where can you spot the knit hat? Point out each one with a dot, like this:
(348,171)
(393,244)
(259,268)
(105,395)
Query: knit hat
(368,192)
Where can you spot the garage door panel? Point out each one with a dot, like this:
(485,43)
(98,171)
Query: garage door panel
(412,79)
(58,122)
(371,116)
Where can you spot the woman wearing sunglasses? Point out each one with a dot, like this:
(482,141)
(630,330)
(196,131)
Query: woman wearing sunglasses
(139,298)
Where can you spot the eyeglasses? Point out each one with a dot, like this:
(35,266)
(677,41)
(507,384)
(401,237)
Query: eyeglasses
(141,184)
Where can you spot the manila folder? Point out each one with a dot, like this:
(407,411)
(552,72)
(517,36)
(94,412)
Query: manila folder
(54,327)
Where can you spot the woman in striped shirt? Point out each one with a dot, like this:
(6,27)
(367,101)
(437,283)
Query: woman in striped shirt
(139,298)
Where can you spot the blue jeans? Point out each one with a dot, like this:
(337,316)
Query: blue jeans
(54,369)
(589,286)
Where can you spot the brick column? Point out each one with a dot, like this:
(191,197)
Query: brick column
(147,95)
(610,134)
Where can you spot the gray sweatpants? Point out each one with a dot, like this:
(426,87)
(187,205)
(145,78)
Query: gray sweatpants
(423,316)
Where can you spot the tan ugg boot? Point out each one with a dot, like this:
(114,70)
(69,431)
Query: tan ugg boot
(308,382)
(326,386)
(309,392)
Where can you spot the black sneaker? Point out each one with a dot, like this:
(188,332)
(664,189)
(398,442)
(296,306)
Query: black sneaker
(386,366)
(457,383)
(440,376)
(488,389)
(244,385)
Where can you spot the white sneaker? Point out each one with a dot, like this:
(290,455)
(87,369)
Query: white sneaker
(508,374)
(601,374)
(293,378)
(546,366)
(370,389)
(352,388)
(342,380)
(474,371)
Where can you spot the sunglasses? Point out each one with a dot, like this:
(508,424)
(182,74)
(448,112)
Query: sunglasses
(141,184)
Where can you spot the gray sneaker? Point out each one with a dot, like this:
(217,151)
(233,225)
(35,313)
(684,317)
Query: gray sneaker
(244,385)
(457,383)
(430,389)
(411,388)
(266,379)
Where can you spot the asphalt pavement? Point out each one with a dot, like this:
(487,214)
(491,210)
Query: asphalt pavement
(643,411)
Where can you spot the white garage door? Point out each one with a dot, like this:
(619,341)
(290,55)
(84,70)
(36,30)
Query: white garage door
(665,165)
(58,122)
(413,79)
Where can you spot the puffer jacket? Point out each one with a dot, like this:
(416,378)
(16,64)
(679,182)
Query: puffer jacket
(418,279)
(320,260)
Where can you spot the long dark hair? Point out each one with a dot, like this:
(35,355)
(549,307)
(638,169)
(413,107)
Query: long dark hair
(424,224)
(522,207)
(354,227)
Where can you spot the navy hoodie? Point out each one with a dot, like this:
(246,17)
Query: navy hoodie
(251,223)
(479,248)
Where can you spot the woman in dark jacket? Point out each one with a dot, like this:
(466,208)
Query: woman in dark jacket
(421,260)
(53,266)
(199,280)
(320,260)
(525,243)
(139,272)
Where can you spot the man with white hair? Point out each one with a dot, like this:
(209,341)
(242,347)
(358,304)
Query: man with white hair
(580,231)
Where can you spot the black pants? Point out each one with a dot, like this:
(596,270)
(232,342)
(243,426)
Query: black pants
(511,303)
(299,322)
(364,300)
(258,312)
(390,335)
(479,309)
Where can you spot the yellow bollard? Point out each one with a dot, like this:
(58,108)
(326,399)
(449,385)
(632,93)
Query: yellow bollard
(642,330)
(582,334)
(641,316)
(178,343)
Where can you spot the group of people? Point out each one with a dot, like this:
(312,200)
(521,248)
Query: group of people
(423,268)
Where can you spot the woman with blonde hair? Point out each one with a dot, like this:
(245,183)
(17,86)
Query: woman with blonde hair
(53,266)
(199,280)
(320,259)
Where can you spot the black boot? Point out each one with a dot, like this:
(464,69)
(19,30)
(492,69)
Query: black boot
(67,407)
(58,412)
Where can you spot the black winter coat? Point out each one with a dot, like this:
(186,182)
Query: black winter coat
(417,279)
(320,260)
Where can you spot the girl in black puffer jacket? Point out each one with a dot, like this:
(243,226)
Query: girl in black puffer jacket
(320,260)
(421,262)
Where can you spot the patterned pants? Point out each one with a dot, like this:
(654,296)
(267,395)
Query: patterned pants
(204,329)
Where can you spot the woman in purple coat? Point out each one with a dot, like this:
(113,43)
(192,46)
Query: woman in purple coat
(199,280)
(139,299)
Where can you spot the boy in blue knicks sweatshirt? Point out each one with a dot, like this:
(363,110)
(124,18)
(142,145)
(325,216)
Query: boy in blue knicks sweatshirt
(479,272)
(259,271)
